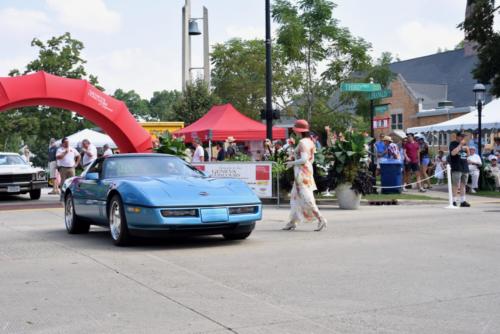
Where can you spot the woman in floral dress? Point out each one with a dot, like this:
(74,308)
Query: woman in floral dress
(302,201)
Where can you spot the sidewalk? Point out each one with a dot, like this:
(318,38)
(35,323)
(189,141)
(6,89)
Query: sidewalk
(441,191)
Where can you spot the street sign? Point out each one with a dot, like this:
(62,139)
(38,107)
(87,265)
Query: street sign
(381,94)
(383,108)
(360,87)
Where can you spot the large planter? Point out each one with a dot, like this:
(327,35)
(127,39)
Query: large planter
(348,199)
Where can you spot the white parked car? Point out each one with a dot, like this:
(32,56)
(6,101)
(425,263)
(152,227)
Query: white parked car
(18,177)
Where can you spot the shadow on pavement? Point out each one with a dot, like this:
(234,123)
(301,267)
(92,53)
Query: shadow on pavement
(99,239)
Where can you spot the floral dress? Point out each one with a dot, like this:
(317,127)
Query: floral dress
(302,201)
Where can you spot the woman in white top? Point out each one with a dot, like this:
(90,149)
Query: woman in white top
(302,201)
(475,164)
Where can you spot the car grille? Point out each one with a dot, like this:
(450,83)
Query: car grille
(16,178)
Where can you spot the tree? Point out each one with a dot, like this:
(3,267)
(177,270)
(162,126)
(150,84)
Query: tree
(381,73)
(239,76)
(194,102)
(138,106)
(478,27)
(161,105)
(34,126)
(312,39)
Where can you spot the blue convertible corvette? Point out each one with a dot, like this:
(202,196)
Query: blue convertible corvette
(157,194)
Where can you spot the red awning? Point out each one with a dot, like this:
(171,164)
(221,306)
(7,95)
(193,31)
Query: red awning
(224,121)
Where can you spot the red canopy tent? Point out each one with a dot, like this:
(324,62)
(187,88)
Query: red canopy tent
(224,121)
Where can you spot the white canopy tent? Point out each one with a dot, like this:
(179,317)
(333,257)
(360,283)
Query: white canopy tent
(468,122)
(96,138)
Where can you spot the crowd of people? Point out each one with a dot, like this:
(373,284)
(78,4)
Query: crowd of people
(64,160)
(414,153)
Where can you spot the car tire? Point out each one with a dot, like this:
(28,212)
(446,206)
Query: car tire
(118,222)
(35,194)
(73,223)
(236,236)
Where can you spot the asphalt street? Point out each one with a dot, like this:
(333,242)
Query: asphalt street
(399,269)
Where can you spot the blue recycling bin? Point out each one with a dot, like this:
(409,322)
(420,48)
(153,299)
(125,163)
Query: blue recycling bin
(391,172)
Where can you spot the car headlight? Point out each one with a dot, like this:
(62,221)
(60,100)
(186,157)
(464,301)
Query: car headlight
(242,210)
(180,213)
(40,175)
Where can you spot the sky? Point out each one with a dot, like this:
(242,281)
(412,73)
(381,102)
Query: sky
(132,44)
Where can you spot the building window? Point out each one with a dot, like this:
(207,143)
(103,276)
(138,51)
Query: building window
(381,123)
(443,139)
(397,121)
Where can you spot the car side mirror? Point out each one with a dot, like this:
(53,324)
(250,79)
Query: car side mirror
(92,176)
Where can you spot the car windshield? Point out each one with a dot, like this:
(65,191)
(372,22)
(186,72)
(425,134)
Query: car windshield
(159,166)
(10,159)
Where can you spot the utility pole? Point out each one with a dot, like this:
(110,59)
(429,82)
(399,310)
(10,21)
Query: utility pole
(269,74)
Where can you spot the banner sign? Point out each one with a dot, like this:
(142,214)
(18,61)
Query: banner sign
(381,109)
(258,175)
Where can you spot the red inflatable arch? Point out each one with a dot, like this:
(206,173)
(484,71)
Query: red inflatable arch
(81,97)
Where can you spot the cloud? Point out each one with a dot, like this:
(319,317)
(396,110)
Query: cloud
(416,39)
(136,69)
(16,23)
(88,15)
(248,32)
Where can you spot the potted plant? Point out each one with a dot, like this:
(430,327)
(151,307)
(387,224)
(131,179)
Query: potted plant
(171,145)
(350,177)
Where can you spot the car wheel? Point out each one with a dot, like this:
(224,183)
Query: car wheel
(35,194)
(236,236)
(74,224)
(118,222)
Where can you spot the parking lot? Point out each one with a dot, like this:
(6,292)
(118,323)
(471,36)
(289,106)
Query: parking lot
(401,269)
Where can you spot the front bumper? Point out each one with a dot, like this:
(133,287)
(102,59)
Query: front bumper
(150,222)
(193,230)
(24,187)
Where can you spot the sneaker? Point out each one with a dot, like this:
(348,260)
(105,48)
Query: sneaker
(472,191)
(454,203)
(422,190)
(464,204)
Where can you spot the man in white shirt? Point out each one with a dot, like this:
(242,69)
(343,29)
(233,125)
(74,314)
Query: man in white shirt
(475,164)
(67,159)
(199,153)
(494,171)
(89,153)
(107,152)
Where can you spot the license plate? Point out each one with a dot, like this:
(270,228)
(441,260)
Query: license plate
(214,215)
(13,189)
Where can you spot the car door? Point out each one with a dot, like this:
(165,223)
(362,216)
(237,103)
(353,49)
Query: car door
(92,193)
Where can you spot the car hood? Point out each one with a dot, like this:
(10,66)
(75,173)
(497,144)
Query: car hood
(18,169)
(186,191)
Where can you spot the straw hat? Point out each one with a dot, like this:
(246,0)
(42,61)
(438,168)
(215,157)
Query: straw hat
(230,139)
(301,125)
(388,138)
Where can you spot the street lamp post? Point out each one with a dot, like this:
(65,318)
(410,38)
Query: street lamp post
(269,74)
(479,92)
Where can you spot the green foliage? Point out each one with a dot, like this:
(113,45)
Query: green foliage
(171,145)
(34,126)
(240,156)
(479,28)
(238,75)
(161,105)
(347,157)
(194,102)
(311,38)
(138,106)
(381,73)
(158,108)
